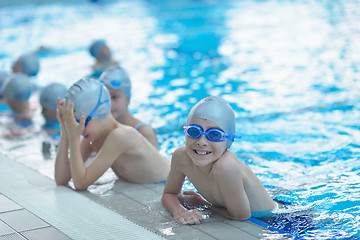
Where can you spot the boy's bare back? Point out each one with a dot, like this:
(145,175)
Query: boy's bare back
(136,160)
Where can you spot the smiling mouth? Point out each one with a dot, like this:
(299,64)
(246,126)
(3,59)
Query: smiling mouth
(199,152)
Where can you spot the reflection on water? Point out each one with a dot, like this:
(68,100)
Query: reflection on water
(289,69)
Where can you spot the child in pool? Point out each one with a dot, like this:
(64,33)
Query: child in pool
(102,53)
(48,100)
(17,90)
(27,64)
(48,97)
(86,112)
(118,83)
(228,186)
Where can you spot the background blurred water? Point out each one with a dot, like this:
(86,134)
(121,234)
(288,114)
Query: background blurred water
(290,70)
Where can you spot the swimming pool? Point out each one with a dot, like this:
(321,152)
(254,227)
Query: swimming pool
(290,70)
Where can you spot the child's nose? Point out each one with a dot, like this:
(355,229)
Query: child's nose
(202,140)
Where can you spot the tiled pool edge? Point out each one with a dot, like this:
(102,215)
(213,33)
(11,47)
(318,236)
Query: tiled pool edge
(40,196)
(75,215)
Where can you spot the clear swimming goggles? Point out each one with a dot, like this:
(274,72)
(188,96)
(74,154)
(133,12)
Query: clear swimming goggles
(93,112)
(213,134)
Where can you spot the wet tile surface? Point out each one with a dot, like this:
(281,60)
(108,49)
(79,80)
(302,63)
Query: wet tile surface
(138,206)
(18,223)
(7,205)
(141,204)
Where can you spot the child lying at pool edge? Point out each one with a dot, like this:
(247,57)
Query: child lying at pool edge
(228,186)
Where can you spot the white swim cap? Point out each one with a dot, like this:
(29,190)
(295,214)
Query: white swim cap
(217,110)
(3,77)
(50,94)
(17,87)
(117,78)
(29,64)
(89,96)
(96,46)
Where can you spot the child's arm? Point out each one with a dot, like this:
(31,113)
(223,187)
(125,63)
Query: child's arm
(114,145)
(194,199)
(150,135)
(172,189)
(73,132)
(62,166)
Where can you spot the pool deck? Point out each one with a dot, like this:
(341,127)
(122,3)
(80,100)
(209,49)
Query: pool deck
(33,207)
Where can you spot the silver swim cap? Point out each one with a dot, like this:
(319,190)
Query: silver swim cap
(95,47)
(90,97)
(17,87)
(117,78)
(217,110)
(29,64)
(50,94)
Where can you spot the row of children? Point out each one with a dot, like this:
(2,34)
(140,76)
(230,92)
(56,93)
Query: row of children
(93,117)
(226,185)
(17,88)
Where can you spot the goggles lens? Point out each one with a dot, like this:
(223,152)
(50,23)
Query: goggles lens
(213,134)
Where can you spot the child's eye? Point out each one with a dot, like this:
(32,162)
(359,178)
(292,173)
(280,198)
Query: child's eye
(115,97)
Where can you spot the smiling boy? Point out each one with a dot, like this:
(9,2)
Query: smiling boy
(86,112)
(228,187)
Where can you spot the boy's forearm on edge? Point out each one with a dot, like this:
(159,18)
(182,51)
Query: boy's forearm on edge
(62,173)
(172,203)
(77,166)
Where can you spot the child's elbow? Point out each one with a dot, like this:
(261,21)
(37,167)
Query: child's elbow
(240,216)
(60,182)
(80,187)
(163,198)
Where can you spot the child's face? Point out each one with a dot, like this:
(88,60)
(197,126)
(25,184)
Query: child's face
(119,103)
(201,150)
(16,67)
(105,53)
(93,129)
(49,113)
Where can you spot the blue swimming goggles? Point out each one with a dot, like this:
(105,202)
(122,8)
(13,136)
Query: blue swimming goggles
(93,112)
(213,134)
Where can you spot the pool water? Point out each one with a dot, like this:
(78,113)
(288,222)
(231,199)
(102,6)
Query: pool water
(290,70)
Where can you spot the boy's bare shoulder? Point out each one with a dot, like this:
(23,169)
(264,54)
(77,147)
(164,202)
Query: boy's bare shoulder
(180,157)
(227,163)
(180,150)
(122,134)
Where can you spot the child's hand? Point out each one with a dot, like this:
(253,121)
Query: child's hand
(59,107)
(189,217)
(59,117)
(73,129)
(193,199)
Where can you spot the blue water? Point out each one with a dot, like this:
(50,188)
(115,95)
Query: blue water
(290,70)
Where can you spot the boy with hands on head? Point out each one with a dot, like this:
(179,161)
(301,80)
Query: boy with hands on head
(86,111)
(228,187)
